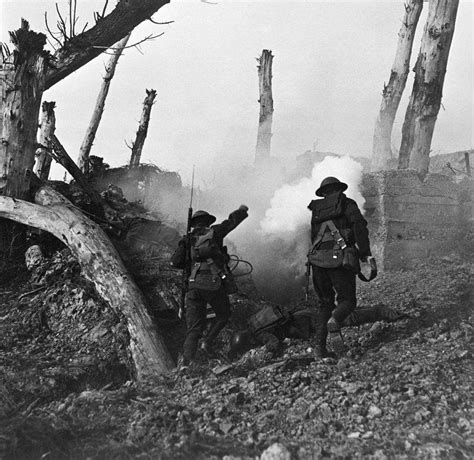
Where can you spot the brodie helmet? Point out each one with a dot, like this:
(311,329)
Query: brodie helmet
(202,216)
(330,182)
(239,342)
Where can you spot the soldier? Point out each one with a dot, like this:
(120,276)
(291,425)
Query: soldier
(209,280)
(340,239)
(271,325)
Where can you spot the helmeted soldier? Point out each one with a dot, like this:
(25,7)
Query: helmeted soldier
(210,280)
(340,239)
(270,329)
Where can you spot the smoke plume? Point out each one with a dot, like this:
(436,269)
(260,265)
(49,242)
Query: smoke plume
(284,234)
(276,236)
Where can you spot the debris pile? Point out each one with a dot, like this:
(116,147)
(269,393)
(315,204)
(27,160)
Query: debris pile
(403,389)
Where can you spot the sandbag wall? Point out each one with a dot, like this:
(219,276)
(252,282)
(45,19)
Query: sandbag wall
(410,219)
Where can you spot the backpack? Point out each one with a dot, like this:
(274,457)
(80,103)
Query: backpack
(204,246)
(339,255)
(268,317)
(328,208)
(209,260)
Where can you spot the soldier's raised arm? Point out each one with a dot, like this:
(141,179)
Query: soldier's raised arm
(235,218)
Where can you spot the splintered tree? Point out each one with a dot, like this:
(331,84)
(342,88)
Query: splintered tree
(392,92)
(47,128)
(137,146)
(425,100)
(24,80)
(264,136)
(28,71)
(83,160)
(26,74)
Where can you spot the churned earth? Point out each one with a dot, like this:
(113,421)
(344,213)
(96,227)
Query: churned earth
(403,390)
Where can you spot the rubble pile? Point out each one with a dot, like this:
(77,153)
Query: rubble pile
(403,389)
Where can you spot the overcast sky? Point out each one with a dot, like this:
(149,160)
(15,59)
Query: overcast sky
(331,60)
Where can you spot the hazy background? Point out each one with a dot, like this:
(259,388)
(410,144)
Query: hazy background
(331,60)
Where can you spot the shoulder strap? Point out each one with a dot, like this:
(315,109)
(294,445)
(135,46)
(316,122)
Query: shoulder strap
(336,234)
(319,236)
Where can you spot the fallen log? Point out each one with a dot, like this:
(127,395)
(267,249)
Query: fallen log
(101,264)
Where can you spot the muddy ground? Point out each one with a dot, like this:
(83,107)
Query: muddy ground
(403,390)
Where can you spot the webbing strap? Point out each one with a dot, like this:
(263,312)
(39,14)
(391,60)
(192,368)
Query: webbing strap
(319,236)
(334,232)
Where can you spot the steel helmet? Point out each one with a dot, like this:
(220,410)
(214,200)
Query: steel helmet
(330,181)
(204,216)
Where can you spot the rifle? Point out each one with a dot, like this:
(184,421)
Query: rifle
(307,276)
(187,258)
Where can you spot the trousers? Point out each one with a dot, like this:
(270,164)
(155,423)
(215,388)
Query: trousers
(196,312)
(336,291)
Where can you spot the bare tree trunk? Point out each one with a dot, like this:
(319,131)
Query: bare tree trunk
(264,135)
(83,160)
(47,128)
(24,75)
(425,100)
(101,264)
(137,146)
(392,92)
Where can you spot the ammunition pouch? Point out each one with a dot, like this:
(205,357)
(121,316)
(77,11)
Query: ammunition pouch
(210,276)
(202,277)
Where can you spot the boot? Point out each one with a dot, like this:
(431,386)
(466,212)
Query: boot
(321,334)
(372,314)
(335,336)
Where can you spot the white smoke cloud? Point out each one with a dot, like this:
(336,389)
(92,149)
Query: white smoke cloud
(288,211)
(281,243)
(276,236)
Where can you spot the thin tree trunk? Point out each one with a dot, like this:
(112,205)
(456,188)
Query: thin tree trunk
(24,75)
(264,135)
(392,92)
(47,128)
(137,146)
(425,100)
(83,160)
(101,264)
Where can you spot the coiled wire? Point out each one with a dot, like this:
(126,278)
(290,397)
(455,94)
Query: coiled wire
(235,261)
